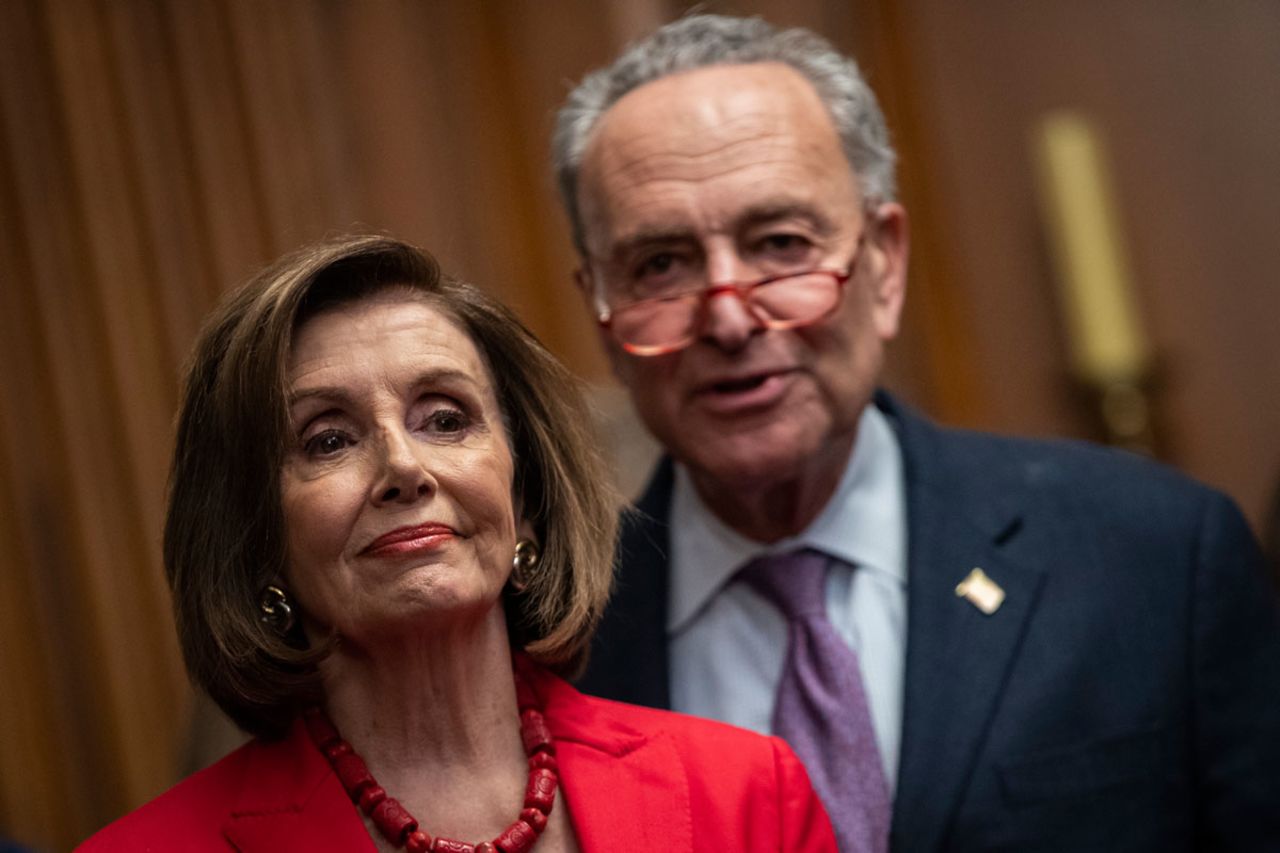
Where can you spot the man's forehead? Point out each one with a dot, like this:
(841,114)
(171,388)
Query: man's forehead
(712,97)
(759,130)
(721,78)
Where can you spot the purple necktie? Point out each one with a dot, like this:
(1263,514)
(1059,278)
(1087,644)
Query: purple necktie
(821,709)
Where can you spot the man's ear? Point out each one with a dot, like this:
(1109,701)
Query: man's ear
(618,362)
(889,244)
(582,280)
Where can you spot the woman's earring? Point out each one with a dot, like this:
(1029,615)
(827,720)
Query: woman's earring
(277,609)
(523,564)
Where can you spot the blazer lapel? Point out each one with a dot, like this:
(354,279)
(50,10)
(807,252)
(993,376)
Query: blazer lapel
(625,790)
(290,800)
(958,658)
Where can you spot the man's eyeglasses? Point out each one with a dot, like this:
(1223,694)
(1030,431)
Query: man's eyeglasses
(668,323)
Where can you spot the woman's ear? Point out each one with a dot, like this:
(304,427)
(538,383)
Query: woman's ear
(525,557)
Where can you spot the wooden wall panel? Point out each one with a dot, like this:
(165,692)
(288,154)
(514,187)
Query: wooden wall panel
(1187,97)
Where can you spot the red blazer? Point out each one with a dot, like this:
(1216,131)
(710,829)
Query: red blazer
(633,778)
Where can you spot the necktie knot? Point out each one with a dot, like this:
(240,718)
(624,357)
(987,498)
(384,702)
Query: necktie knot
(795,581)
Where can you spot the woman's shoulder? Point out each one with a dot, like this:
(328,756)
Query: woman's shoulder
(708,752)
(188,816)
(579,716)
(723,781)
(696,733)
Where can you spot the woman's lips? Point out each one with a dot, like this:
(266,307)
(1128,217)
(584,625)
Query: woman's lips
(409,540)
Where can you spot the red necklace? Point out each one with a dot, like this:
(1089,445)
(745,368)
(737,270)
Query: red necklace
(401,828)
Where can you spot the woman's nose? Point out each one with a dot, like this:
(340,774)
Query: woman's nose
(404,477)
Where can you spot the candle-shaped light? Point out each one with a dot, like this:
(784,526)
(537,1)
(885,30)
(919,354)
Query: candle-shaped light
(1107,342)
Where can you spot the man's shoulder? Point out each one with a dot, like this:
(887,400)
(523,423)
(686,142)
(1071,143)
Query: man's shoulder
(1059,470)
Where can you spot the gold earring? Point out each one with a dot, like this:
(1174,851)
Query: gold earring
(523,563)
(277,609)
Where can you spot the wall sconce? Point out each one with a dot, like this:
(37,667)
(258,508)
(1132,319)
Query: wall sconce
(1109,351)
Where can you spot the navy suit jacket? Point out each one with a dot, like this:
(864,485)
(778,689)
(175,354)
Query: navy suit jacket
(1125,696)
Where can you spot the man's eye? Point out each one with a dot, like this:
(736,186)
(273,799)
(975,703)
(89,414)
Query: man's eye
(656,265)
(784,243)
(326,443)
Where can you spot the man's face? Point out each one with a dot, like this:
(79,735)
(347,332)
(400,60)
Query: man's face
(732,171)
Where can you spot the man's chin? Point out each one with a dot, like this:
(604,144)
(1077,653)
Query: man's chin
(745,468)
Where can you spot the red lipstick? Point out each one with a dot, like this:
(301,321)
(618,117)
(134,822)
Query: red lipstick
(409,540)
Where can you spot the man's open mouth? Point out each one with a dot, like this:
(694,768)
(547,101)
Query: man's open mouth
(735,386)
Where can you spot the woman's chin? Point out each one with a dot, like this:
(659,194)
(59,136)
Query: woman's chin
(437,616)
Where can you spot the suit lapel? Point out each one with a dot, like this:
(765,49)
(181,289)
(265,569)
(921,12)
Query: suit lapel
(958,658)
(290,800)
(629,658)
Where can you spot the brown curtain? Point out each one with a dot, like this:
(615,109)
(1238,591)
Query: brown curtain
(152,154)
(155,152)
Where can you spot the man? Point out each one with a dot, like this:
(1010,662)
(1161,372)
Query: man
(1054,647)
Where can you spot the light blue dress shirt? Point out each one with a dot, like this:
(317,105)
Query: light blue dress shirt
(728,644)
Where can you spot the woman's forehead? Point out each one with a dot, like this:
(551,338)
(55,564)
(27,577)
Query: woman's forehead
(385,334)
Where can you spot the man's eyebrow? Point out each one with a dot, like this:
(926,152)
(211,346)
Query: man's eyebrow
(646,236)
(771,211)
(756,214)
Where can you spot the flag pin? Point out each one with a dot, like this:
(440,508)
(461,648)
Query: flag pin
(981,591)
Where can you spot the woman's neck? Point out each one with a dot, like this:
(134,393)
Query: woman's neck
(431,713)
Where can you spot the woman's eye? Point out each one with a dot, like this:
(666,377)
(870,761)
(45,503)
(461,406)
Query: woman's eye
(326,443)
(447,420)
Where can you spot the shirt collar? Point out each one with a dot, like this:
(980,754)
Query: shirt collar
(863,524)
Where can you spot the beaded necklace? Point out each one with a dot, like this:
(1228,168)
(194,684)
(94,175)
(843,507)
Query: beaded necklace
(401,828)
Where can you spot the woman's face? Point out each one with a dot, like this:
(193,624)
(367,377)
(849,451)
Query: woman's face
(397,483)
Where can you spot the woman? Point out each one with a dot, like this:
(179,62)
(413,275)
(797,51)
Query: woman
(387,539)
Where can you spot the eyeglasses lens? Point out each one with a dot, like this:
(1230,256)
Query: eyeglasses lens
(655,326)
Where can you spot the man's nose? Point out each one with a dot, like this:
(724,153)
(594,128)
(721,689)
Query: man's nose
(728,321)
(403,477)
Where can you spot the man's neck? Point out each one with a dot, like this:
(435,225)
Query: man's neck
(769,511)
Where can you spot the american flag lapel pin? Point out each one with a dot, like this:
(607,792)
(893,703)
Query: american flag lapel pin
(981,591)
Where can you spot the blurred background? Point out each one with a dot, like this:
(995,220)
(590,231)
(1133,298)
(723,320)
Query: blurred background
(153,153)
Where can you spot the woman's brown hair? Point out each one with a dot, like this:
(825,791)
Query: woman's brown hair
(224,538)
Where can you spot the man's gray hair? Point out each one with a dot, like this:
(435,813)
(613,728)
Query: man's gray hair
(698,41)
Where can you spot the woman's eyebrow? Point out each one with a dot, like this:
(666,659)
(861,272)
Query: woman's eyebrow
(339,394)
(320,392)
(444,375)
